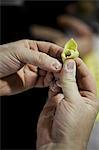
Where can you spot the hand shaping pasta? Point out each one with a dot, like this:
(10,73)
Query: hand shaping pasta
(25,64)
(68,116)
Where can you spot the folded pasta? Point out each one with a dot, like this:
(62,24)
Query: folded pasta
(70,50)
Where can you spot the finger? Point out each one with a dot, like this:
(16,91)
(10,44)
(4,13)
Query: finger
(48,48)
(42,72)
(39,59)
(44,81)
(85,79)
(44,126)
(57,78)
(53,90)
(48,79)
(68,81)
(28,74)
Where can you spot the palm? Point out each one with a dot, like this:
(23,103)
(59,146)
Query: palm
(73,116)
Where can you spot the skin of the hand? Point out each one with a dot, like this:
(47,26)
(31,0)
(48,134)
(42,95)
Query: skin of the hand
(67,118)
(25,64)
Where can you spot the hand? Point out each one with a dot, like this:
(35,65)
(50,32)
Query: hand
(25,64)
(67,118)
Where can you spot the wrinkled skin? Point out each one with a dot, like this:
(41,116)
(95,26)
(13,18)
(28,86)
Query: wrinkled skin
(68,116)
(25,64)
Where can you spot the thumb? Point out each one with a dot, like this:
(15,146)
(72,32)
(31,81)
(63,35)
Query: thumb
(68,80)
(40,59)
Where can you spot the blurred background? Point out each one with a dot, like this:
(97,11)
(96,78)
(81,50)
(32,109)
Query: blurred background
(54,21)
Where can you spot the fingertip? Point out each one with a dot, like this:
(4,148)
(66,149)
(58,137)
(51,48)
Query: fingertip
(68,80)
(69,68)
(69,65)
(78,61)
(53,89)
(69,60)
(56,66)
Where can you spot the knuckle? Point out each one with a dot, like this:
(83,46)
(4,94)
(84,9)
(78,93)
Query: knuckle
(42,57)
(26,43)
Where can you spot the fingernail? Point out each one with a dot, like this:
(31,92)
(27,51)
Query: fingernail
(57,65)
(70,66)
